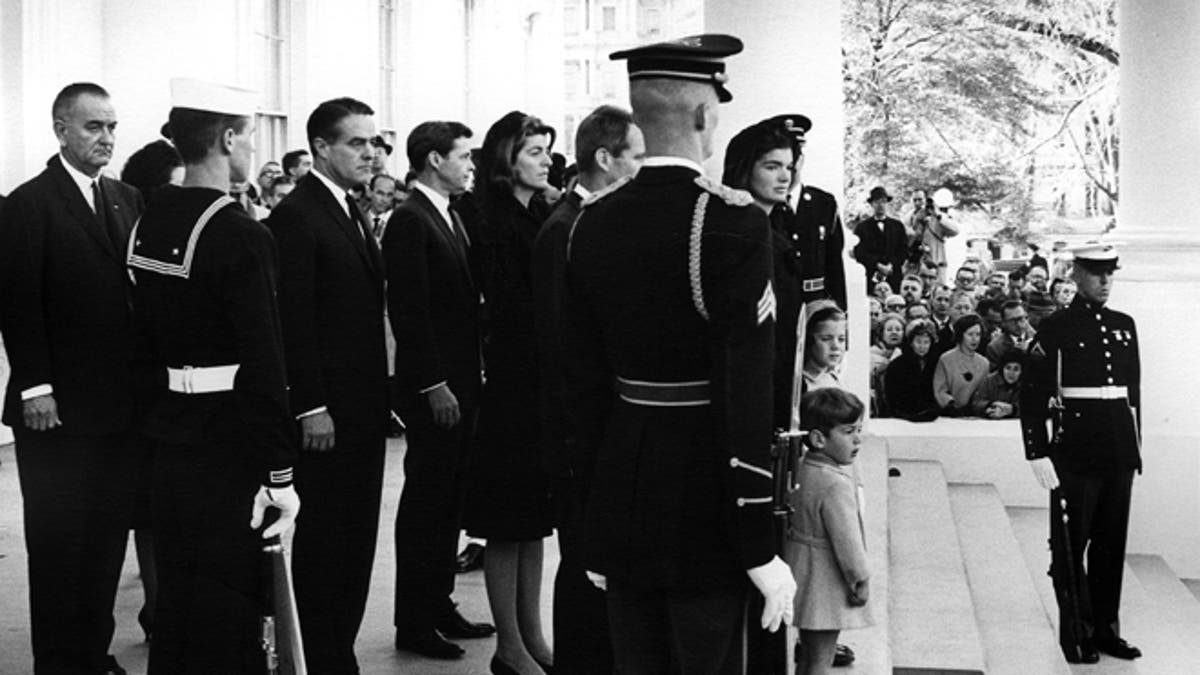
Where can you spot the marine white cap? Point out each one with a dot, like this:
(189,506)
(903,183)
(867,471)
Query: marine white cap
(211,97)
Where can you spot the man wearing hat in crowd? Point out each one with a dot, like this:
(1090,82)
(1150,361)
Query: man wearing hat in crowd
(669,331)
(814,231)
(1085,360)
(209,333)
(71,397)
(383,151)
(882,243)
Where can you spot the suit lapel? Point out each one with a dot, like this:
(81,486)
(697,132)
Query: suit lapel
(77,207)
(352,230)
(443,229)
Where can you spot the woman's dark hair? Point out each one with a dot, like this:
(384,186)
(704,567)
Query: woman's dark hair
(747,147)
(498,158)
(964,323)
(150,168)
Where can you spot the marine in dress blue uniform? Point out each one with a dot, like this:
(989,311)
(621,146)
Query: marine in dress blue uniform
(208,329)
(1085,360)
(669,331)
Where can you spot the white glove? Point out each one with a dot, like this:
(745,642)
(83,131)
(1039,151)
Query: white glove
(774,580)
(285,499)
(1043,470)
(598,580)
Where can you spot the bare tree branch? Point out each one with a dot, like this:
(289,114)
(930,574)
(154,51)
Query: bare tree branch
(1083,43)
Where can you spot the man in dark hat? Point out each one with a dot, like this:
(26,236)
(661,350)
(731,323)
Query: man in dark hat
(882,243)
(70,398)
(383,151)
(1085,359)
(205,305)
(815,232)
(669,331)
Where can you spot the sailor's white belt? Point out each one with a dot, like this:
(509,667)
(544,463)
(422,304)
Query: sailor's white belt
(814,285)
(664,394)
(1107,392)
(206,380)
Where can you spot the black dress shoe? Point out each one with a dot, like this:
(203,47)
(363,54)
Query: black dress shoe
(456,627)
(1115,646)
(842,656)
(111,667)
(428,643)
(470,559)
(1084,652)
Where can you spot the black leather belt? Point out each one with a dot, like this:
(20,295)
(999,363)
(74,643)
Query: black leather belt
(664,394)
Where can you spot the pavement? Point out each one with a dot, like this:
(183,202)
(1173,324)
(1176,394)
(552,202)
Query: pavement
(376,654)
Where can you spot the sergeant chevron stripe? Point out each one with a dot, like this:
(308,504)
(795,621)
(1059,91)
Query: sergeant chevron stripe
(766,304)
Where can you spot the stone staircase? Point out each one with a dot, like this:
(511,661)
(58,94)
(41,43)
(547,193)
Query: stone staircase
(967,591)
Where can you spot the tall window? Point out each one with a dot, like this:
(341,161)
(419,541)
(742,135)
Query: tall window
(572,17)
(608,18)
(387,64)
(272,24)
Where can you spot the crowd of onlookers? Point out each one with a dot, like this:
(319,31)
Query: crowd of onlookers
(958,348)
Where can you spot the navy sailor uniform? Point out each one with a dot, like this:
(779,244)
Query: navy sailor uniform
(208,328)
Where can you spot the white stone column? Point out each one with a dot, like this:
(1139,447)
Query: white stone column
(1159,283)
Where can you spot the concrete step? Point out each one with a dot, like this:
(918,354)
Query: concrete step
(870,644)
(1018,639)
(1168,647)
(1166,612)
(931,612)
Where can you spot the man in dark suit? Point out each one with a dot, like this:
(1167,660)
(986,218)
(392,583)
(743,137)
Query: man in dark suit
(331,305)
(433,306)
(70,401)
(609,149)
(882,243)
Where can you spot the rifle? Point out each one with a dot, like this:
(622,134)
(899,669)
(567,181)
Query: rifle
(282,645)
(1075,627)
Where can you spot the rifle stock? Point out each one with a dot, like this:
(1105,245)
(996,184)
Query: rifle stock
(283,646)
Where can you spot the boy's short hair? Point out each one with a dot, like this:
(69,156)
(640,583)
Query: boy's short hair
(828,407)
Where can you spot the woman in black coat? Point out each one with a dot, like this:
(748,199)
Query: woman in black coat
(508,501)
(908,380)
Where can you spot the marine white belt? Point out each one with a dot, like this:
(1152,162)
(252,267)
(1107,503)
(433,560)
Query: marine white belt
(1108,392)
(813,285)
(206,380)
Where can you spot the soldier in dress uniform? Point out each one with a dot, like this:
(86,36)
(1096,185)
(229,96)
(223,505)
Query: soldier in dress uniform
(1085,360)
(208,330)
(669,331)
(816,231)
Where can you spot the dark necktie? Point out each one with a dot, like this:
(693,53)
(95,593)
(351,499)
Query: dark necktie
(356,216)
(111,227)
(377,229)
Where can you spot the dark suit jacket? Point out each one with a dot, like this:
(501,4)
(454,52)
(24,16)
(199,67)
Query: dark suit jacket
(65,310)
(433,304)
(331,309)
(549,287)
(874,246)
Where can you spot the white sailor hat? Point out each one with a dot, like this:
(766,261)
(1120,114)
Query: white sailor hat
(1096,256)
(211,97)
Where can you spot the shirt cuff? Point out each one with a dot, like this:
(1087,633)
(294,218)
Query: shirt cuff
(426,390)
(34,392)
(314,411)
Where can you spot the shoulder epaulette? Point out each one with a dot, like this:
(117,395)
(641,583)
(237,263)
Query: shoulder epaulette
(727,194)
(608,190)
